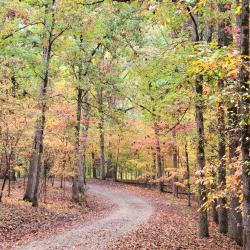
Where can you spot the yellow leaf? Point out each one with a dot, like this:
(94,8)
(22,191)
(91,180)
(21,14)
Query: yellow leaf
(238,10)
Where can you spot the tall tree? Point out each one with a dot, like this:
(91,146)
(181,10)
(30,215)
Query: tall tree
(199,110)
(235,215)
(244,116)
(83,143)
(49,37)
(223,40)
(203,221)
(158,155)
(76,194)
(101,131)
(175,164)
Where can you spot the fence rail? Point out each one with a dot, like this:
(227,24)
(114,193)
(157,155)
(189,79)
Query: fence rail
(167,188)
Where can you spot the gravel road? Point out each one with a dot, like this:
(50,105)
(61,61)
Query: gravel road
(129,212)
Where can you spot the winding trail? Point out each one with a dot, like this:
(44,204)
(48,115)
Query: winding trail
(130,211)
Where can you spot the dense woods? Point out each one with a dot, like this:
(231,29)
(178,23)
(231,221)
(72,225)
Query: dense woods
(153,93)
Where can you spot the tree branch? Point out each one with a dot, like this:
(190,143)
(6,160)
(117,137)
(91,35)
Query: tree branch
(59,34)
(92,3)
(22,28)
(178,122)
(101,1)
(197,38)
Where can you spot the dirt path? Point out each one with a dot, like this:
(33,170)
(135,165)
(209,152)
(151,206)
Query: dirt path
(130,211)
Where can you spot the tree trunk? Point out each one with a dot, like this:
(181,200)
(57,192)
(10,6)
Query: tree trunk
(235,223)
(109,163)
(61,182)
(222,211)
(224,39)
(83,145)
(75,191)
(9,182)
(213,174)
(75,185)
(102,147)
(46,169)
(235,216)
(101,133)
(35,163)
(202,193)
(93,164)
(245,127)
(175,166)
(4,181)
(31,193)
(215,212)
(154,164)
(188,176)
(158,157)
(117,160)
(14,86)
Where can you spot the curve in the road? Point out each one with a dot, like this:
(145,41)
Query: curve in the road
(130,212)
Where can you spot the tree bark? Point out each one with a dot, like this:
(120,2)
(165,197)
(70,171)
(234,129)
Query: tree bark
(175,165)
(158,156)
(188,176)
(31,193)
(235,216)
(83,146)
(222,211)
(215,212)
(235,221)
(4,181)
(75,187)
(154,163)
(224,39)
(109,163)
(101,133)
(93,164)
(244,115)
(202,193)
(117,159)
